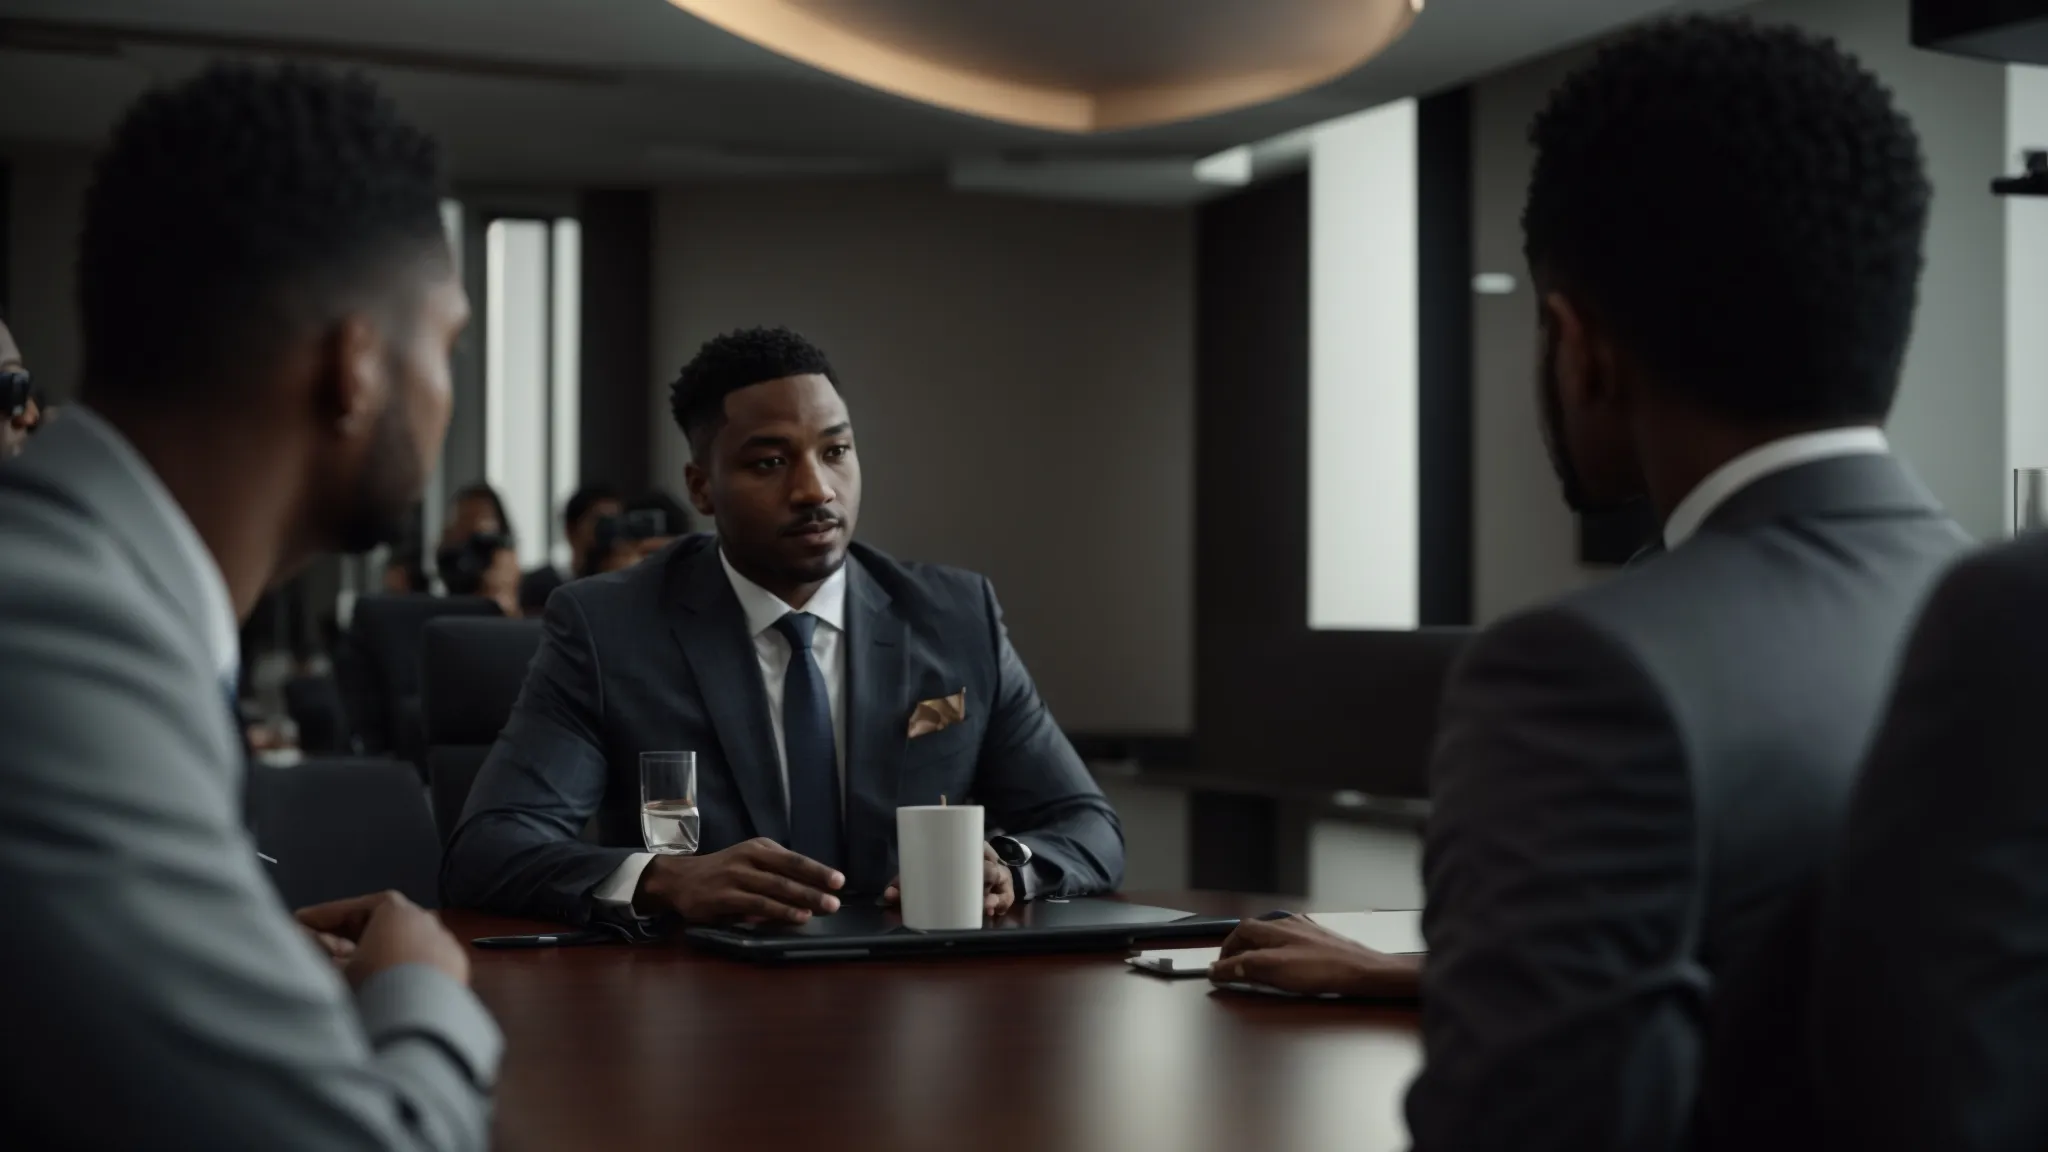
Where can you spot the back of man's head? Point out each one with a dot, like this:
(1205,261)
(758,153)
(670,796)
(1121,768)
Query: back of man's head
(1742,210)
(235,210)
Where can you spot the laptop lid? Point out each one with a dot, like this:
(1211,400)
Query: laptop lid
(862,930)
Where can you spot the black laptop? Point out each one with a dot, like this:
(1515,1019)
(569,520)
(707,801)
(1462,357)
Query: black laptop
(860,931)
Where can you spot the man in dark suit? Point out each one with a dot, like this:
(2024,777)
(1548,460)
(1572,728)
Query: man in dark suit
(1930,991)
(821,684)
(1633,785)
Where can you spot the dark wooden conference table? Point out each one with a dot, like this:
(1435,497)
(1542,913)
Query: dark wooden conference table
(660,1046)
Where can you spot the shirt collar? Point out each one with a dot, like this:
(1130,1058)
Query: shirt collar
(217,612)
(1761,461)
(763,608)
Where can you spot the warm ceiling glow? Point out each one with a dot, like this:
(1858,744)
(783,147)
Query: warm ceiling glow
(1073,65)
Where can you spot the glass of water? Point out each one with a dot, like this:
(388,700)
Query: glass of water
(668,802)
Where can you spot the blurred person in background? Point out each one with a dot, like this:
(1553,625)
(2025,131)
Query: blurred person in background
(643,527)
(20,405)
(478,554)
(481,564)
(475,509)
(588,505)
(288,400)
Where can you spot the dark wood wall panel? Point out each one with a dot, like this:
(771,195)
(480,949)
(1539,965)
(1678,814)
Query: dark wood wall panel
(618,312)
(1293,713)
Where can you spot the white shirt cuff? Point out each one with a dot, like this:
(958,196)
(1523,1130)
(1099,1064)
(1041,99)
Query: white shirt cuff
(619,887)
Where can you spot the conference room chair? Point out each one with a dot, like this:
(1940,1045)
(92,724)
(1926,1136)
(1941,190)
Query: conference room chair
(383,691)
(1393,685)
(471,670)
(345,826)
(315,705)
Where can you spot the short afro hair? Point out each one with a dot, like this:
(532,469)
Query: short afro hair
(244,202)
(1743,208)
(728,363)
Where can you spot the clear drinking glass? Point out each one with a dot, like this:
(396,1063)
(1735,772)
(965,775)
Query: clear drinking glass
(668,802)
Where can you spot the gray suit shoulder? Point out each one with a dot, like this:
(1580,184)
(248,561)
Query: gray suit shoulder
(942,589)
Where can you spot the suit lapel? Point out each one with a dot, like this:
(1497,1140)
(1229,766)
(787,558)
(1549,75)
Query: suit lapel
(712,631)
(876,716)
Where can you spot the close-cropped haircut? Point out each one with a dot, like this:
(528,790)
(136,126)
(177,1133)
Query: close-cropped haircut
(1743,209)
(231,207)
(733,361)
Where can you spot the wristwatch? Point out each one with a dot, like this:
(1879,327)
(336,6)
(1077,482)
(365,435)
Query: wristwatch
(1015,855)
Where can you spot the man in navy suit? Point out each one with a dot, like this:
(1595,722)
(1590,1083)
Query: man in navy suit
(821,684)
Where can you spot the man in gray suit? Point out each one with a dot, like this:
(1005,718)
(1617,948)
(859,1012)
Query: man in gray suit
(1930,991)
(1633,786)
(821,684)
(268,306)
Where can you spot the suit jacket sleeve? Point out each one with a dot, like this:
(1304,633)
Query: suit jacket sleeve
(147,955)
(516,850)
(1560,1002)
(1036,787)
(1930,997)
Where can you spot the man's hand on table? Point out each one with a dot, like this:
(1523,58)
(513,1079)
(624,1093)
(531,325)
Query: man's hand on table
(758,880)
(1001,890)
(368,934)
(1295,954)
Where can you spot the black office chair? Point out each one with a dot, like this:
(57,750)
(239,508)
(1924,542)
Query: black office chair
(1396,680)
(345,827)
(471,671)
(316,705)
(384,668)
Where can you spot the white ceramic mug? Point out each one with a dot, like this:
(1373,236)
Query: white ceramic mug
(939,857)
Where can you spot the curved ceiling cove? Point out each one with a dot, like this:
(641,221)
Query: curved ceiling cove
(1075,66)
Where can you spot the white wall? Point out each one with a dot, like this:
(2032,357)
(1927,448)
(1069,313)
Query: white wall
(2026,281)
(1022,382)
(1950,421)
(46,206)
(1524,544)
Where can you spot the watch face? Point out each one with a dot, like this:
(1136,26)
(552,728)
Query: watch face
(1011,851)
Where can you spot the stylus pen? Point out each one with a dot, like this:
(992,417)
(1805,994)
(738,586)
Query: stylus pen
(543,940)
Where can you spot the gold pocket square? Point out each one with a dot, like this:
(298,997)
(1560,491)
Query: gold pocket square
(938,715)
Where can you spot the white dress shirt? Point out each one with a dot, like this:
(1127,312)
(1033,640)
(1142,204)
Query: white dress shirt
(772,652)
(217,607)
(1761,461)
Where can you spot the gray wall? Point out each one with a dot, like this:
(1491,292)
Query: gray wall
(1524,547)
(1950,420)
(46,206)
(1021,377)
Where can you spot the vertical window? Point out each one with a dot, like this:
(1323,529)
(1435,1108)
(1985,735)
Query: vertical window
(567,383)
(1364,371)
(533,333)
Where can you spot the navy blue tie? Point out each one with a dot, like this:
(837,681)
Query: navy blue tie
(807,748)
